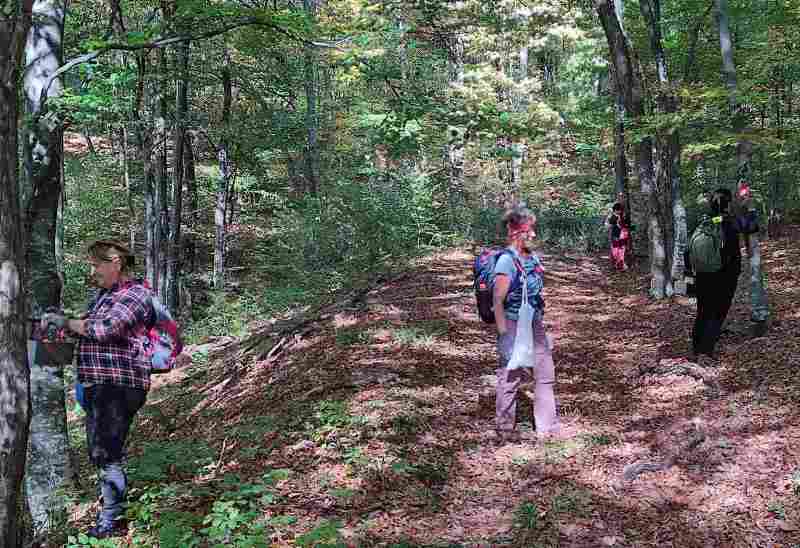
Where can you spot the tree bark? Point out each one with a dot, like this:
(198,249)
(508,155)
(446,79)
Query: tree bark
(15,20)
(145,145)
(191,187)
(670,152)
(312,99)
(175,256)
(620,159)
(454,151)
(48,461)
(162,226)
(759,304)
(223,185)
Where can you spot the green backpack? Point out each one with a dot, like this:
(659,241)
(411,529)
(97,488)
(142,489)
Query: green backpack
(705,246)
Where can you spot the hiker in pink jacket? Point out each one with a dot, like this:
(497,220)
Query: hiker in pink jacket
(520,226)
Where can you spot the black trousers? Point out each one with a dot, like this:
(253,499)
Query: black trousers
(715,293)
(109,414)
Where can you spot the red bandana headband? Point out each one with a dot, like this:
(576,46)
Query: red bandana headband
(516,230)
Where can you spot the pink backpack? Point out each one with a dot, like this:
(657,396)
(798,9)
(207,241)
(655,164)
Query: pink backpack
(164,342)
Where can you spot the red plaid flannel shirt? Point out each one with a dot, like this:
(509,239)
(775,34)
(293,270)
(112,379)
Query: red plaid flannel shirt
(112,351)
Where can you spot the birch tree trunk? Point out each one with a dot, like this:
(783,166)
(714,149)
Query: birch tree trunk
(161,237)
(48,452)
(759,304)
(15,19)
(175,256)
(224,178)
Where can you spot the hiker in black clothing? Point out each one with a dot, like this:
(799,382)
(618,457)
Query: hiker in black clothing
(715,290)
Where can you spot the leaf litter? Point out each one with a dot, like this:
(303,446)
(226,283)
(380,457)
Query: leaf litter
(380,413)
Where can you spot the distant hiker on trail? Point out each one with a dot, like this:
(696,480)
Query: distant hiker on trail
(618,236)
(520,227)
(113,369)
(715,258)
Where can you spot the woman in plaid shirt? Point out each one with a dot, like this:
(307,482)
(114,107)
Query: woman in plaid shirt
(112,367)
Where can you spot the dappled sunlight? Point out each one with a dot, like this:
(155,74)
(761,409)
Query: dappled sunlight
(386,420)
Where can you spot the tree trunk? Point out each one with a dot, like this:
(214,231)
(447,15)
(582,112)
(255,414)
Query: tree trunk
(191,187)
(14,372)
(454,152)
(312,99)
(175,256)
(620,160)
(518,148)
(629,82)
(48,462)
(162,181)
(670,152)
(759,311)
(145,144)
(126,174)
(224,179)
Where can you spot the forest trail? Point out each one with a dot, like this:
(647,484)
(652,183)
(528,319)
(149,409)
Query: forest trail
(383,414)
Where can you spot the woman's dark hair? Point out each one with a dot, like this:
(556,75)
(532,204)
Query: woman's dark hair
(616,207)
(720,200)
(517,215)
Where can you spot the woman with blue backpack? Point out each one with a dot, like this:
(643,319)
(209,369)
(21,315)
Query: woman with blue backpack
(113,369)
(517,272)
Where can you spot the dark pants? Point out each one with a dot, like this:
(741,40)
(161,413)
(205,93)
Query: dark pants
(715,293)
(109,414)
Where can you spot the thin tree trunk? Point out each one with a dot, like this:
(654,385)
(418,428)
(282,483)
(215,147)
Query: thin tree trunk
(518,148)
(759,311)
(126,173)
(454,152)
(162,180)
(145,144)
(14,373)
(191,187)
(224,178)
(175,257)
(620,160)
(312,99)
(48,462)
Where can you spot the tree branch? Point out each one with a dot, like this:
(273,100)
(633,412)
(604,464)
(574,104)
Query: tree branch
(176,39)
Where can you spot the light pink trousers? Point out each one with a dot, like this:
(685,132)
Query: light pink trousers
(508,382)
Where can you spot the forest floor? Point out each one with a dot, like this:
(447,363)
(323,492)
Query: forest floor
(379,417)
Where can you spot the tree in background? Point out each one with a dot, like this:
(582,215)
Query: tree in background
(759,305)
(48,453)
(15,19)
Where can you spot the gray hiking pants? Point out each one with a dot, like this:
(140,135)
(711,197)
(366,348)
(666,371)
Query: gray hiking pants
(508,382)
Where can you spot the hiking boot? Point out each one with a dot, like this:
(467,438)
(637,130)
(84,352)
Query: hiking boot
(507,436)
(706,360)
(106,529)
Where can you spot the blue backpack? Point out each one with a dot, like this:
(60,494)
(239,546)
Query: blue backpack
(483,280)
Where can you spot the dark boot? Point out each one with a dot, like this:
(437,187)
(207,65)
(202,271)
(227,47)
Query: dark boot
(113,484)
(106,529)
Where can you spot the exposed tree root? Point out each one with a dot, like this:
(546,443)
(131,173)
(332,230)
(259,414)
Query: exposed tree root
(689,369)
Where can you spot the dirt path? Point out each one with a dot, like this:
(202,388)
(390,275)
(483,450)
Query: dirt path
(384,416)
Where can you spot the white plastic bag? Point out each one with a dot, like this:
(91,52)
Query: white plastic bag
(523,354)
